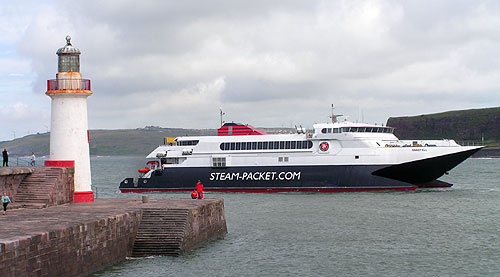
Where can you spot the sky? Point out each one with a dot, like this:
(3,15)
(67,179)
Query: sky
(265,63)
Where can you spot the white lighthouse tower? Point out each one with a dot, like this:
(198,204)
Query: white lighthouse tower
(69,137)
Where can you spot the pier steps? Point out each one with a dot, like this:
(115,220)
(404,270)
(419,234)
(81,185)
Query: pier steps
(161,232)
(37,189)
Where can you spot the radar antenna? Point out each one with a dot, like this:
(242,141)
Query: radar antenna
(333,116)
(221,114)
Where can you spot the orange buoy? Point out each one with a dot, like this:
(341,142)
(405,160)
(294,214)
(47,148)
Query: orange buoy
(143,170)
(194,194)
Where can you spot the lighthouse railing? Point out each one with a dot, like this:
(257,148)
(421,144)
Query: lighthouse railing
(68,84)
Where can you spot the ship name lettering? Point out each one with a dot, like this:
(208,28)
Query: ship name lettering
(255,176)
(214,176)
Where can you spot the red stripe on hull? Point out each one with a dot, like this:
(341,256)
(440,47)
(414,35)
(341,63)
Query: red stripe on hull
(275,190)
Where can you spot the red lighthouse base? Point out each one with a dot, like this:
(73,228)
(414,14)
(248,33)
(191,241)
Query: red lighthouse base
(83,196)
(78,196)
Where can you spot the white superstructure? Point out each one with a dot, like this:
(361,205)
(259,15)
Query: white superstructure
(330,143)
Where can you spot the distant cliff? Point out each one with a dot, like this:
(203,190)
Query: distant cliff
(464,125)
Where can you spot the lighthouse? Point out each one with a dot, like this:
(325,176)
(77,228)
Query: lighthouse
(69,136)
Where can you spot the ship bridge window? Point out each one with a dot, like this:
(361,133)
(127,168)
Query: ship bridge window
(330,130)
(367,129)
(187,142)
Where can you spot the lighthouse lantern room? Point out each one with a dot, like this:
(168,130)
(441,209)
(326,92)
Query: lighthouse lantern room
(69,137)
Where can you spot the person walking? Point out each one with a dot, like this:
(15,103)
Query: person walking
(33,159)
(199,189)
(5,202)
(5,155)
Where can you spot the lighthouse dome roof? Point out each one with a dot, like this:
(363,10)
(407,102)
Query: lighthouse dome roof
(68,49)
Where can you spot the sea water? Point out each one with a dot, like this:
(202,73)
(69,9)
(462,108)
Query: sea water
(439,232)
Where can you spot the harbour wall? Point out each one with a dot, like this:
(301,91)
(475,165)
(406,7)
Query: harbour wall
(205,223)
(79,239)
(37,186)
(11,178)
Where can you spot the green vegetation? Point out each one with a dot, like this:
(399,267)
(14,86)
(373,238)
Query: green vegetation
(465,125)
(139,141)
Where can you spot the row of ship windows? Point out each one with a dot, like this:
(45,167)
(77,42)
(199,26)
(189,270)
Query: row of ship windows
(357,130)
(216,161)
(187,142)
(266,145)
(221,161)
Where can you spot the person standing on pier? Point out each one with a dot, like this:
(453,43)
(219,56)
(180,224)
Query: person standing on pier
(199,189)
(5,202)
(33,159)
(5,157)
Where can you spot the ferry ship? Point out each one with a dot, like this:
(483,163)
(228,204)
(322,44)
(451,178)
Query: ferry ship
(335,157)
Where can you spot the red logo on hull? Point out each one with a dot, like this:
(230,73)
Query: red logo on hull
(324,146)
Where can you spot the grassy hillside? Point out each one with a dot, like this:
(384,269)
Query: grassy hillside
(136,141)
(463,125)
(139,141)
(38,143)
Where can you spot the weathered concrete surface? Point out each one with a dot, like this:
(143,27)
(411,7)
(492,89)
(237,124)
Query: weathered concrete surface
(78,239)
(11,178)
(37,186)
(46,186)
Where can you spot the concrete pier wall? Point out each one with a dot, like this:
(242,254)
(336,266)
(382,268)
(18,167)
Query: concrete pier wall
(79,239)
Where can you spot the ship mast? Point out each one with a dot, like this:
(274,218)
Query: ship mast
(333,116)
(221,114)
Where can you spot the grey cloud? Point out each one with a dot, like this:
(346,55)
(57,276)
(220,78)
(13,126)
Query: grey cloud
(273,56)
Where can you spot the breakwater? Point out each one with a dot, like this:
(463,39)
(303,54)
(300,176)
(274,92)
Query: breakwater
(78,239)
(37,187)
(11,178)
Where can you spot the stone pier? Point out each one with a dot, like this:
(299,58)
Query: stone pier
(82,238)
(11,178)
(37,187)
